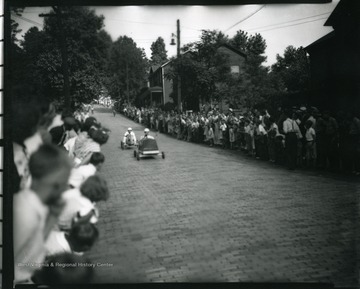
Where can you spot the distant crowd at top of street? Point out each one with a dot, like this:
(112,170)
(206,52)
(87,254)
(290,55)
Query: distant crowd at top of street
(296,137)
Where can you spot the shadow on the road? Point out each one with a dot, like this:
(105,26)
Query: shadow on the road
(149,158)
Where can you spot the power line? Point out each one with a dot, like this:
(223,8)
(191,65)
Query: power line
(152,39)
(247,17)
(24,12)
(260,27)
(121,20)
(191,28)
(148,41)
(292,25)
(28,20)
(151,23)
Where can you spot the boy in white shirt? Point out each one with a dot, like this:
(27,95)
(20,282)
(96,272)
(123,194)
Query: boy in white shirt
(310,136)
(80,174)
(129,137)
(80,202)
(36,209)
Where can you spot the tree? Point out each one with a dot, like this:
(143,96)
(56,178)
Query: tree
(291,75)
(293,69)
(36,46)
(14,25)
(252,86)
(128,69)
(158,52)
(252,45)
(201,69)
(206,48)
(16,69)
(86,51)
(87,47)
(206,74)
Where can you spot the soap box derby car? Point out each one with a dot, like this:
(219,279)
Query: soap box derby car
(147,147)
(128,144)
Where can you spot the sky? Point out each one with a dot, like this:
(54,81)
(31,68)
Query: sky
(280,25)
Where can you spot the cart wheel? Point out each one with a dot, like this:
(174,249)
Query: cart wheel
(138,157)
(122,145)
(134,154)
(163,155)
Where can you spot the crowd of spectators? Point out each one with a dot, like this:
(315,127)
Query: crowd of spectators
(56,186)
(298,137)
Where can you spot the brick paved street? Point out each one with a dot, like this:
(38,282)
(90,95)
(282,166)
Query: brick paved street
(206,214)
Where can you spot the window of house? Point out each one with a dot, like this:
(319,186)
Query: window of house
(235,69)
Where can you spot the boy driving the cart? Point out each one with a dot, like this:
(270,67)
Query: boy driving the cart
(146,134)
(129,137)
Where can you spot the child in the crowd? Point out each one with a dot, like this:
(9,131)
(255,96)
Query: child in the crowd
(223,128)
(206,130)
(80,174)
(310,137)
(52,274)
(83,135)
(42,135)
(80,238)
(249,136)
(232,136)
(272,133)
(261,141)
(98,136)
(25,118)
(61,134)
(83,201)
(70,143)
(210,135)
(36,209)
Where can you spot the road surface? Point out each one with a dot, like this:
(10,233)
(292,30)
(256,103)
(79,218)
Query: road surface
(207,214)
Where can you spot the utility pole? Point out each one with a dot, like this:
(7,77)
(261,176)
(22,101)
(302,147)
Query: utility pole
(127,83)
(179,106)
(64,55)
(179,78)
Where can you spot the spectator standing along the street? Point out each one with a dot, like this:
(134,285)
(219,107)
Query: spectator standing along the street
(232,137)
(355,141)
(310,137)
(291,130)
(331,140)
(272,133)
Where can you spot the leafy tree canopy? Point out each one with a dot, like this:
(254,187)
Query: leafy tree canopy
(292,70)
(87,47)
(127,68)
(158,52)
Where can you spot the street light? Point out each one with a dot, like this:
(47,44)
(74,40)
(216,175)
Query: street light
(178,56)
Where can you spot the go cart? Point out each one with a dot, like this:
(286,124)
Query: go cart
(129,144)
(147,147)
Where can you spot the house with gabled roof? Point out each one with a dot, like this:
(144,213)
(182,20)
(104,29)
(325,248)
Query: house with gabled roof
(335,60)
(237,58)
(161,88)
